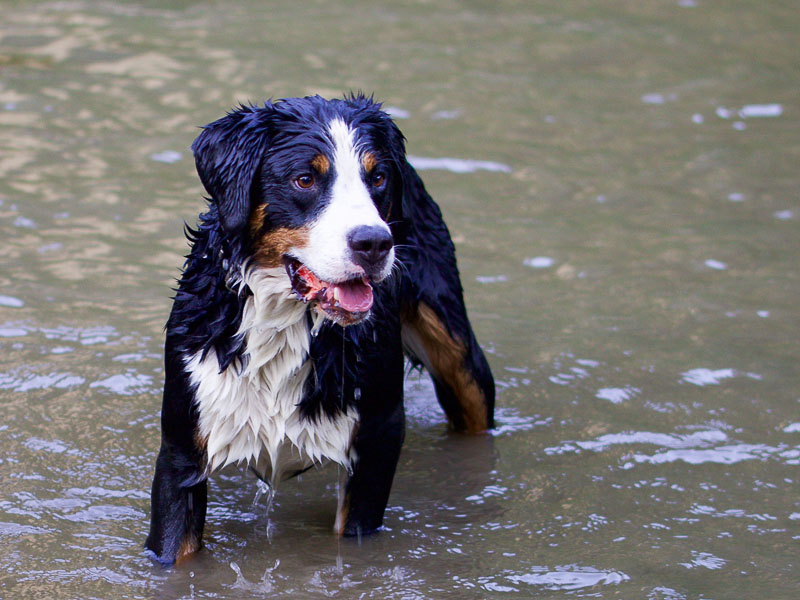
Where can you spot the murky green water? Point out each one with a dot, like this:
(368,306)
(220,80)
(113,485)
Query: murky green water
(634,278)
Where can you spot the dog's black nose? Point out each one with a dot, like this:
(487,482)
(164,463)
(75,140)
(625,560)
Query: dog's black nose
(370,245)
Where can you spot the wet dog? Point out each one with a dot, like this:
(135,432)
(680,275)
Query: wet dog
(320,263)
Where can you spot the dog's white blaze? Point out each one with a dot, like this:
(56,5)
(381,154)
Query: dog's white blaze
(250,414)
(327,253)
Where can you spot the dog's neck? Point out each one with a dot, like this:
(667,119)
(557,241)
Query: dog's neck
(249,412)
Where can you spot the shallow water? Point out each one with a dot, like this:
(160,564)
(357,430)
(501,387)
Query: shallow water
(621,182)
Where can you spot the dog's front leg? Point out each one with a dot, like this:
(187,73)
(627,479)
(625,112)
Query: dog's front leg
(365,493)
(179,492)
(178,508)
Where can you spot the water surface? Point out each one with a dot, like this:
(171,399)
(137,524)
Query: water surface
(621,182)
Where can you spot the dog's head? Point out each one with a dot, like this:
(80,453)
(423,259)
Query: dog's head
(313,186)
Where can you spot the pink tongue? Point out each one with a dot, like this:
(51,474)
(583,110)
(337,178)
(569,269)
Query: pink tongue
(355,296)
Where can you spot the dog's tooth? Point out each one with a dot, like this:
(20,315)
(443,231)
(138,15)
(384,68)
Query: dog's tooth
(336,293)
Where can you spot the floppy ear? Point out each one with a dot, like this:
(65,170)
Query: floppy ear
(227,155)
(403,186)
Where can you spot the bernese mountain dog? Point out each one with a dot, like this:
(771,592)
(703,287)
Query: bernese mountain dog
(319,265)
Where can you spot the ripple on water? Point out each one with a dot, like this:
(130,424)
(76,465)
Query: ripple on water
(30,382)
(726,455)
(13,530)
(11,302)
(695,448)
(706,560)
(125,384)
(668,440)
(617,395)
(488,492)
(13,332)
(749,111)
(167,156)
(456,165)
(717,265)
(508,420)
(702,376)
(539,262)
(491,279)
(566,577)
(87,336)
(41,445)
(422,408)
(735,513)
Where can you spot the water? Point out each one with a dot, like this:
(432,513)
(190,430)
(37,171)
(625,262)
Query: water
(621,182)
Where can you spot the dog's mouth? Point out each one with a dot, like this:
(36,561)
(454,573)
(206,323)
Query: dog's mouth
(345,302)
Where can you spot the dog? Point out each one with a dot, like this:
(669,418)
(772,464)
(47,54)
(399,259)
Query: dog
(320,263)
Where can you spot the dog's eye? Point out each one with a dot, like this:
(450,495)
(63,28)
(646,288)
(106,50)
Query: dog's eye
(377,180)
(305,181)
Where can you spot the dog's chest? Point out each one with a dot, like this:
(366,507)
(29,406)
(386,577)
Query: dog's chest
(251,414)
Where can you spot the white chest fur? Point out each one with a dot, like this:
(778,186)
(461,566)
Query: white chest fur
(250,414)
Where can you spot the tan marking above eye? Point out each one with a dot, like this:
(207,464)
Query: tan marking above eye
(321,164)
(369,161)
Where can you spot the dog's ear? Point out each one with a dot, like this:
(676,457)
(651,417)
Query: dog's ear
(227,154)
(404,178)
